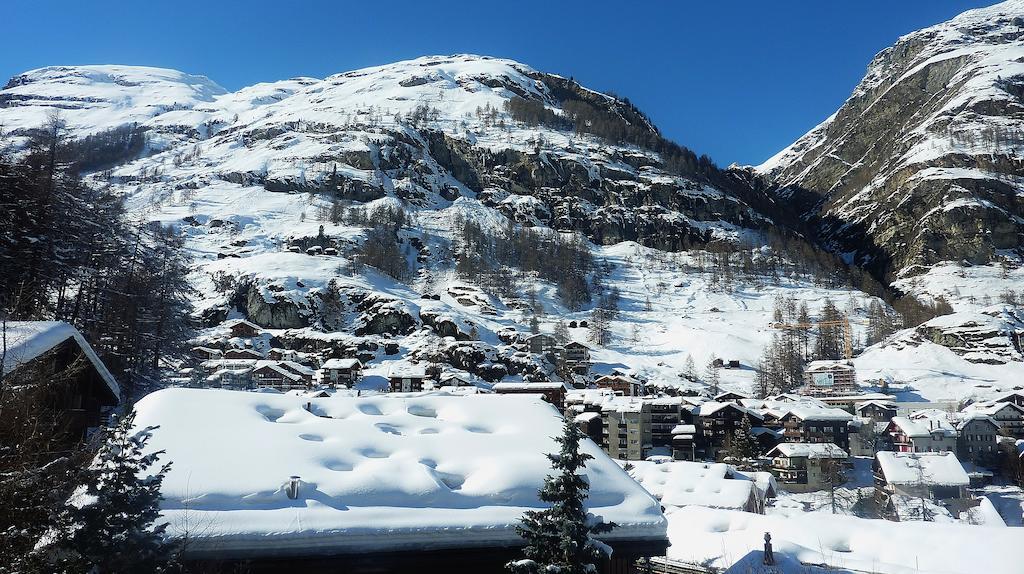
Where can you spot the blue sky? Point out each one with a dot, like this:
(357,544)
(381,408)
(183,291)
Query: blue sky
(737,80)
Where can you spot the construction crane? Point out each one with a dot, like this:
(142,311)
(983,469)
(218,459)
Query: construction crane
(844,323)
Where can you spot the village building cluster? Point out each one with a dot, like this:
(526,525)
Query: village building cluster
(804,438)
(729,451)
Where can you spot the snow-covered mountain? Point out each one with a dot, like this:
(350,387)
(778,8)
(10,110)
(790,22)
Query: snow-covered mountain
(264,183)
(923,163)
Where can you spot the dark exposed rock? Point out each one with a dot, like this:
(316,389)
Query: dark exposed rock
(891,184)
(274,310)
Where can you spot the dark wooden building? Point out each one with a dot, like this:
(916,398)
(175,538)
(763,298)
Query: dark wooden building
(244,329)
(84,389)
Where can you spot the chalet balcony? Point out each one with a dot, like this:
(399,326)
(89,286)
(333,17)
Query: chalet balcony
(792,476)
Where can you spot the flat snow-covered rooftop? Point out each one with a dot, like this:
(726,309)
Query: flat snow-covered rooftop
(684,483)
(931,468)
(380,473)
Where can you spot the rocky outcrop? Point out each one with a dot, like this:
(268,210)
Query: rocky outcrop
(922,163)
(443,325)
(268,306)
(379,315)
(993,336)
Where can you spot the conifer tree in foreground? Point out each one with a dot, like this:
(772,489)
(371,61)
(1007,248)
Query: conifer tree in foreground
(558,539)
(110,525)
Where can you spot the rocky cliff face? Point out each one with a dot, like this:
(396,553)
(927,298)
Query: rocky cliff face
(924,161)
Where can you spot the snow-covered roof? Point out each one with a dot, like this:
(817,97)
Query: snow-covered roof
(813,413)
(711,407)
(727,394)
(207,349)
(27,340)
(277,368)
(235,322)
(873,403)
(808,450)
(970,417)
(586,417)
(992,409)
(829,366)
(406,371)
(624,405)
(378,473)
(684,483)
(717,538)
(341,364)
(297,367)
(924,427)
(538,386)
(682,429)
(928,468)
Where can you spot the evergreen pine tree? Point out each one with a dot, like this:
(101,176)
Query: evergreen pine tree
(534,325)
(600,331)
(562,332)
(743,445)
(558,538)
(110,525)
(711,376)
(690,369)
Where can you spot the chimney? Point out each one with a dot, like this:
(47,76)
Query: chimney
(293,487)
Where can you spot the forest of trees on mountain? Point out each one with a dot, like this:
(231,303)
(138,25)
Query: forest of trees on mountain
(586,118)
(487,257)
(69,252)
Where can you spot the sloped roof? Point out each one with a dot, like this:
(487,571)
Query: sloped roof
(809,450)
(341,364)
(993,408)
(924,427)
(829,366)
(711,407)
(684,483)
(927,468)
(969,417)
(814,413)
(27,340)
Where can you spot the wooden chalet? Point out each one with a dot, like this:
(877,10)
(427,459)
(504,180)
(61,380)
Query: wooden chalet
(56,351)
(273,374)
(553,392)
(340,372)
(404,378)
(621,384)
(541,343)
(877,411)
(242,354)
(243,329)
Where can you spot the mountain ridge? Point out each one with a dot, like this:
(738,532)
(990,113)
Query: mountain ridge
(281,189)
(918,167)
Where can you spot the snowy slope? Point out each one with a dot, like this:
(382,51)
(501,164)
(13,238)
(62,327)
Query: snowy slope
(96,98)
(248,175)
(723,537)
